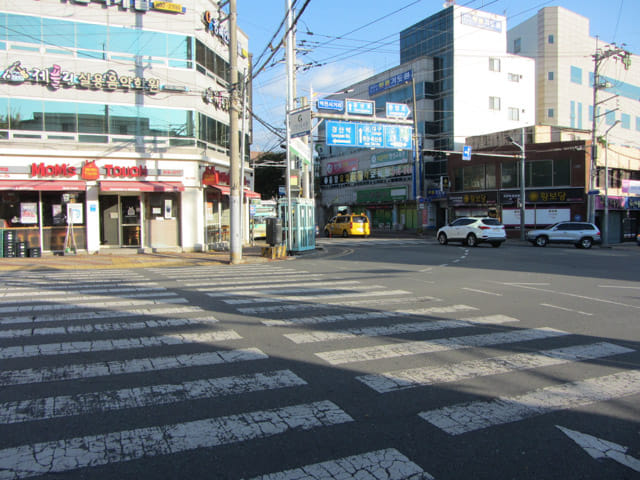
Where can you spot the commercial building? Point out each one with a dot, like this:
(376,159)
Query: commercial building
(114,123)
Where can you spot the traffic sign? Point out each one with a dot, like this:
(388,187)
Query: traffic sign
(330,104)
(360,107)
(300,123)
(369,135)
(397,110)
(466,152)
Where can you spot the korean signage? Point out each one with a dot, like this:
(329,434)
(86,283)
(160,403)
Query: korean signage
(342,166)
(381,195)
(216,98)
(371,174)
(479,198)
(632,187)
(360,107)
(169,7)
(329,104)
(380,159)
(478,20)
(369,135)
(54,78)
(215,26)
(394,81)
(397,110)
(561,195)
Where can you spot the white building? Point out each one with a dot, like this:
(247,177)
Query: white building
(119,112)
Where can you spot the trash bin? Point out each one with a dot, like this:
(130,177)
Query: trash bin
(274,231)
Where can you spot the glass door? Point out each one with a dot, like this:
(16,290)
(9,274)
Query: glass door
(130,225)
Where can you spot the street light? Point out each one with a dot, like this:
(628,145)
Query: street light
(605,226)
(522,182)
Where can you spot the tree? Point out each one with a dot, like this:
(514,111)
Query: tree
(269,177)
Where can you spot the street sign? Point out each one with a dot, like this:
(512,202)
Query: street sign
(398,137)
(593,192)
(369,135)
(341,134)
(397,110)
(300,123)
(360,107)
(466,153)
(330,104)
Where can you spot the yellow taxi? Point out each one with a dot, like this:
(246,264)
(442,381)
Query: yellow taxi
(348,224)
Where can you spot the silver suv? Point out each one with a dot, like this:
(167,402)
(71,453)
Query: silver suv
(581,234)
(473,230)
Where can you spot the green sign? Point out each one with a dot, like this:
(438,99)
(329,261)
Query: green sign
(381,195)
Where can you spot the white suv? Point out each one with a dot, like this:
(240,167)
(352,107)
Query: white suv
(581,234)
(473,230)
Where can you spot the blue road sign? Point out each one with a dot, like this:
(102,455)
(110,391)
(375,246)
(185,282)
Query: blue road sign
(398,136)
(341,134)
(397,110)
(330,104)
(466,152)
(360,107)
(369,135)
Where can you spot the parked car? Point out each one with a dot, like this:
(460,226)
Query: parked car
(581,234)
(349,224)
(473,230)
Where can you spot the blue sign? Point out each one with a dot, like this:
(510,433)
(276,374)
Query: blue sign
(330,104)
(369,135)
(397,110)
(360,107)
(394,81)
(466,152)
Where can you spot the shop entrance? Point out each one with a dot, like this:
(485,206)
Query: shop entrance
(120,220)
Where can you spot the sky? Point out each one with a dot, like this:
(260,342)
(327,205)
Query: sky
(341,42)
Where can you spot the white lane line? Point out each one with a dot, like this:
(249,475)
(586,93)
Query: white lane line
(26,292)
(291,287)
(468,417)
(83,297)
(105,327)
(94,402)
(397,329)
(123,367)
(337,288)
(423,376)
(575,295)
(329,304)
(108,304)
(348,317)
(322,298)
(618,287)
(338,357)
(115,447)
(99,315)
(65,348)
(484,292)
(262,281)
(566,309)
(387,464)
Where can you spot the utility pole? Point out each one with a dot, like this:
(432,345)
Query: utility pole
(235,244)
(290,96)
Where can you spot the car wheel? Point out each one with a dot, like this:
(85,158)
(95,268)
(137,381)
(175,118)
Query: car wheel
(496,244)
(542,241)
(586,242)
(472,241)
(442,238)
(326,233)
(345,234)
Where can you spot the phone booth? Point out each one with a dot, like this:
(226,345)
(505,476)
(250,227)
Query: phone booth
(303,231)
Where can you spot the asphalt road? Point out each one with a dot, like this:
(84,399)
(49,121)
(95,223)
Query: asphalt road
(373,358)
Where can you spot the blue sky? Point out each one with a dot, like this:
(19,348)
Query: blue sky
(349,40)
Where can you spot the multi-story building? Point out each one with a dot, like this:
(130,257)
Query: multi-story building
(567,58)
(471,86)
(114,117)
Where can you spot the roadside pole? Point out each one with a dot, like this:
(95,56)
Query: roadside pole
(235,212)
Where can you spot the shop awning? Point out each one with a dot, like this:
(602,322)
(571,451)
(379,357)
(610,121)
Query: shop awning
(251,194)
(131,186)
(44,185)
(223,189)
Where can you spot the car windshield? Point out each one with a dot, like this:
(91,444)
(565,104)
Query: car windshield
(491,221)
(360,219)
(549,227)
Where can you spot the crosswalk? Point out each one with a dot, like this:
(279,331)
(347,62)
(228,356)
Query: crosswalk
(115,342)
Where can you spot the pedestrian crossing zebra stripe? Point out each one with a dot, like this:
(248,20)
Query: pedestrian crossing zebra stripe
(102,304)
(396,329)
(12,293)
(315,287)
(105,327)
(87,346)
(339,357)
(95,402)
(64,455)
(423,376)
(387,464)
(309,298)
(123,367)
(348,317)
(75,316)
(259,282)
(471,416)
(328,304)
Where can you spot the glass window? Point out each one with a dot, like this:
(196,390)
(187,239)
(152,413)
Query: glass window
(509,176)
(539,173)
(60,117)
(610,117)
(550,76)
(625,120)
(551,39)
(26,114)
(473,177)
(576,75)
(494,103)
(23,29)
(514,113)
(638,123)
(490,176)
(125,40)
(58,33)
(4,113)
(494,64)
(517,45)
(91,37)
(92,118)
(550,113)
(136,120)
(562,172)
(179,46)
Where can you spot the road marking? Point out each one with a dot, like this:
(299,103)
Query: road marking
(103,304)
(287,288)
(617,287)
(423,376)
(387,464)
(566,309)
(598,448)
(323,298)
(93,450)
(105,327)
(484,292)
(26,292)
(123,367)
(94,402)
(397,329)
(338,357)
(85,346)
(205,285)
(348,317)
(602,300)
(468,417)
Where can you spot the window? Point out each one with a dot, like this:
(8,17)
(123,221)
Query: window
(494,64)
(550,113)
(576,75)
(638,124)
(514,113)
(509,174)
(572,114)
(550,39)
(517,45)
(494,103)
(610,117)
(514,77)
(550,76)
(625,120)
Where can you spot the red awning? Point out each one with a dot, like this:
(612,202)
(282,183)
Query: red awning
(44,185)
(224,189)
(131,186)
(251,194)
